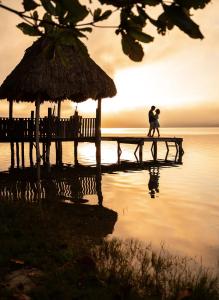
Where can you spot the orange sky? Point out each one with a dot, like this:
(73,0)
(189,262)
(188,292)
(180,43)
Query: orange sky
(179,75)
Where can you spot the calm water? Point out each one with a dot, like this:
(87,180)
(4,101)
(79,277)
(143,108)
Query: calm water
(183,210)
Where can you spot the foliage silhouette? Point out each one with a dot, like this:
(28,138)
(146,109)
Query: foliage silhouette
(66,22)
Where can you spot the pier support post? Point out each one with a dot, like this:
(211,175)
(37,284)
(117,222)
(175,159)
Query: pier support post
(154,150)
(49,135)
(141,151)
(12,155)
(22,154)
(37,104)
(76,152)
(98,186)
(17,154)
(181,151)
(48,153)
(31,134)
(58,144)
(98,133)
(11,144)
(119,151)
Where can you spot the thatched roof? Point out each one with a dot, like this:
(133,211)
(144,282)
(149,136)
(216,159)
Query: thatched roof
(37,77)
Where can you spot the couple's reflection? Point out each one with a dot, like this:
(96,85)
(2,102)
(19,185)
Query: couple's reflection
(153,183)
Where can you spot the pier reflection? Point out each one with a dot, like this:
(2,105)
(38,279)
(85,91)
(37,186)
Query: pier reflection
(56,183)
(61,194)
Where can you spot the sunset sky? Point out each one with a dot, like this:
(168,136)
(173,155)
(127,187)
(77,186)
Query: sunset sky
(179,75)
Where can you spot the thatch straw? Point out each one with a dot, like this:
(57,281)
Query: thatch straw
(37,77)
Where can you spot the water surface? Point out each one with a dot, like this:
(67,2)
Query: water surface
(178,206)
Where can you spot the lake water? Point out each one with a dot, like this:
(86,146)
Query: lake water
(182,211)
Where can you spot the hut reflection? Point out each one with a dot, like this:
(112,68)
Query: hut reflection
(65,184)
(62,193)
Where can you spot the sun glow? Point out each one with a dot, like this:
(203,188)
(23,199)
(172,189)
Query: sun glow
(151,84)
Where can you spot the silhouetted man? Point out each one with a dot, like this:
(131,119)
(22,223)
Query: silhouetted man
(151,119)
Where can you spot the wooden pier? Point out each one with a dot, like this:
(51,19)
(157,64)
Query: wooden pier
(154,141)
(18,131)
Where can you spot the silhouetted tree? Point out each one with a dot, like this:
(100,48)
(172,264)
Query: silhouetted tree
(66,22)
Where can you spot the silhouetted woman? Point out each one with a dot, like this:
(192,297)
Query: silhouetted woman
(156,123)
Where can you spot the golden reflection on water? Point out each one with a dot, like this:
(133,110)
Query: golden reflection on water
(178,206)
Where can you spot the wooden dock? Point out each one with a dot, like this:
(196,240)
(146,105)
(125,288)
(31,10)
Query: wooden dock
(140,141)
(18,131)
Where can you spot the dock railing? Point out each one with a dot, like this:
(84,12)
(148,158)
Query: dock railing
(52,128)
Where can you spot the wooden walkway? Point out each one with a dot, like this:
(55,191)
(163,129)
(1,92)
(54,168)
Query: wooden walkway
(140,141)
(77,130)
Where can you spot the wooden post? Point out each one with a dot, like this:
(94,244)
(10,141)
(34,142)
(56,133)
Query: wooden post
(181,151)
(10,109)
(98,133)
(37,103)
(44,152)
(59,109)
(155,150)
(11,144)
(31,134)
(76,152)
(119,151)
(17,154)
(22,154)
(49,135)
(141,151)
(59,143)
(98,186)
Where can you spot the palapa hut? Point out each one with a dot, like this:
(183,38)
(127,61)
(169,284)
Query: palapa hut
(69,74)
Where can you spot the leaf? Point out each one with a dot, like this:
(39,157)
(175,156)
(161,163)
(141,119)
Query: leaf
(140,36)
(132,48)
(181,19)
(28,29)
(60,10)
(105,15)
(151,2)
(89,29)
(29,5)
(76,11)
(35,15)
(96,14)
(98,17)
(196,4)
(46,23)
(49,7)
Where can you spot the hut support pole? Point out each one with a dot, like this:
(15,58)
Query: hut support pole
(31,134)
(11,144)
(37,103)
(22,154)
(17,154)
(98,133)
(59,143)
(76,152)
(59,109)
